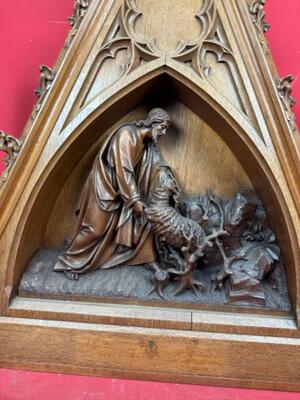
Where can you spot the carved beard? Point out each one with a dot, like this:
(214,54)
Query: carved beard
(156,135)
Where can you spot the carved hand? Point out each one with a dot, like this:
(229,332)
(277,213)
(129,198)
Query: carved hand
(139,207)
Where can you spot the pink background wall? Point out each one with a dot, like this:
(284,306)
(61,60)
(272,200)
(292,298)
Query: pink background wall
(32,32)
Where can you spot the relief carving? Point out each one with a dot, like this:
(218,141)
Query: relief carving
(284,87)
(230,238)
(11,146)
(142,241)
(112,207)
(139,235)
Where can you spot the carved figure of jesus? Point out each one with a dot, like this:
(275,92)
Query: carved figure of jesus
(111,227)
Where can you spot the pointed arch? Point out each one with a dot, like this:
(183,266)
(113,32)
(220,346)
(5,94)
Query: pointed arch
(64,149)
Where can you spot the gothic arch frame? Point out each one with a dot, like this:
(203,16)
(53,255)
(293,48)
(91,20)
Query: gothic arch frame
(236,137)
(151,343)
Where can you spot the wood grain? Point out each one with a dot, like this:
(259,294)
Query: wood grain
(141,353)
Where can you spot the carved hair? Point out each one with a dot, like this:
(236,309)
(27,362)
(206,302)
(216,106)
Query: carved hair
(156,115)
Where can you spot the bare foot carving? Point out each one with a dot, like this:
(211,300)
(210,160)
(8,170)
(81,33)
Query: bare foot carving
(73,276)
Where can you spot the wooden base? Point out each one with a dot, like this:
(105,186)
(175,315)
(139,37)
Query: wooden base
(174,355)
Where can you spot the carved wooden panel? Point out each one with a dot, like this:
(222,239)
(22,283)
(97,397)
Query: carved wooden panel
(208,64)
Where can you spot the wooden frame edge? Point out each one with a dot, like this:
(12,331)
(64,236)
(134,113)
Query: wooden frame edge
(153,354)
(158,317)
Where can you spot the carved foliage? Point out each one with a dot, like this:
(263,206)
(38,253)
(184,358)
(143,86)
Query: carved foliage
(80,9)
(285,94)
(257,10)
(46,79)
(11,146)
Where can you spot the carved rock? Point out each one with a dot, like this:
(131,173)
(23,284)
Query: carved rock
(245,283)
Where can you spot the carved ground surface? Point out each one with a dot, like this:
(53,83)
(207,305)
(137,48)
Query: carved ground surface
(128,282)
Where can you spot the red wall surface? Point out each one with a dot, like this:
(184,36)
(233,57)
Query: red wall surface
(32,32)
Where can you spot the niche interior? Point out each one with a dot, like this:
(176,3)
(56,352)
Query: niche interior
(204,155)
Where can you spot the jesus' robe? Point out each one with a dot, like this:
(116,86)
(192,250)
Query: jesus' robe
(108,231)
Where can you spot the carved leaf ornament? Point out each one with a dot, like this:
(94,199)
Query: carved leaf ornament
(46,79)
(80,9)
(11,146)
(257,10)
(285,94)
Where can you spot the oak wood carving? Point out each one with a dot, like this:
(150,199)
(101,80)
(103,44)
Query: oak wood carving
(230,170)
